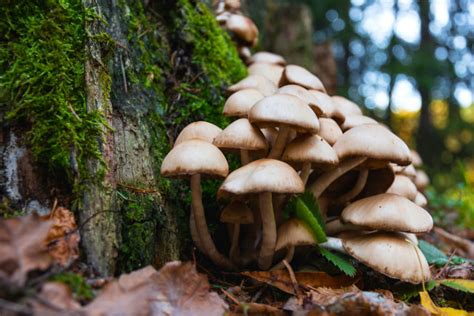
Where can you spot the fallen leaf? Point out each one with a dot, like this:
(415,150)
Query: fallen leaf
(22,248)
(55,298)
(458,284)
(63,238)
(183,291)
(427,303)
(326,296)
(281,279)
(258,309)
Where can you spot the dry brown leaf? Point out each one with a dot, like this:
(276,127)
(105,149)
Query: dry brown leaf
(326,296)
(257,309)
(131,294)
(22,248)
(63,238)
(183,291)
(281,279)
(54,299)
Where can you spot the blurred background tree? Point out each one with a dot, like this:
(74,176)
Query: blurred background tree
(409,63)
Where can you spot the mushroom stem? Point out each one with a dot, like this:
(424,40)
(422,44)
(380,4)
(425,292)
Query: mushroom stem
(269,231)
(321,184)
(194,234)
(244,157)
(288,257)
(280,143)
(201,225)
(305,170)
(234,247)
(356,189)
(336,226)
(334,244)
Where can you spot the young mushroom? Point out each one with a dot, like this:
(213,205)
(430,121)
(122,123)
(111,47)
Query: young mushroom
(192,159)
(257,82)
(294,74)
(243,28)
(403,186)
(268,58)
(240,103)
(198,130)
(263,177)
(270,71)
(329,130)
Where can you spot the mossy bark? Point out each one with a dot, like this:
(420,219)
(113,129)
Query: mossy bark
(149,69)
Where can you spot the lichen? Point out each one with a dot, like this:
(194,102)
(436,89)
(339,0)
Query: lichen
(42,82)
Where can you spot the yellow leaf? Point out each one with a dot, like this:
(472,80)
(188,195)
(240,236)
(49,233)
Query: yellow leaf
(427,303)
(459,284)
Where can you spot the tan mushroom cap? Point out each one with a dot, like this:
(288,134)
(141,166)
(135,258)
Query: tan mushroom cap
(347,107)
(284,109)
(422,180)
(257,82)
(388,212)
(352,121)
(329,130)
(240,134)
(408,171)
(240,102)
(310,148)
(270,134)
(421,200)
(372,141)
(243,28)
(391,254)
(270,71)
(232,4)
(415,158)
(301,76)
(244,52)
(326,107)
(301,93)
(198,130)
(294,232)
(237,212)
(263,175)
(194,157)
(403,186)
(267,57)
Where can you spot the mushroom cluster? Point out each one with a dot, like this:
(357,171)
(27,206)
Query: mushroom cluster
(293,137)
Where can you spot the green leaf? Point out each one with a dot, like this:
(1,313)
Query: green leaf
(433,255)
(312,204)
(303,213)
(341,263)
(459,284)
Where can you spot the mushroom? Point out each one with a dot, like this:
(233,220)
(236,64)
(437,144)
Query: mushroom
(263,177)
(236,213)
(372,145)
(420,199)
(356,120)
(258,82)
(416,159)
(270,71)
(268,58)
(345,106)
(329,130)
(243,136)
(302,77)
(308,152)
(403,186)
(192,159)
(292,233)
(288,113)
(198,130)
(243,28)
(240,103)
(326,107)
(422,180)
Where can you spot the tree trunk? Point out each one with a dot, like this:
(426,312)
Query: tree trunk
(148,68)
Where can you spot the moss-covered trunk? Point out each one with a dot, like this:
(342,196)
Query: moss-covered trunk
(92,94)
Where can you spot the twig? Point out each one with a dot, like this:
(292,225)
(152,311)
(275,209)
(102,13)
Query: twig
(445,267)
(292,278)
(258,294)
(231,297)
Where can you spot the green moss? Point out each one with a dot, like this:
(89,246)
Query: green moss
(77,283)
(42,81)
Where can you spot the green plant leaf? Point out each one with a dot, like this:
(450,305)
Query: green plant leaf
(312,204)
(304,213)
(341,263)
(433,255)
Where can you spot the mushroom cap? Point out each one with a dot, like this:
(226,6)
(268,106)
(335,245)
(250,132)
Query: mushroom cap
(194,157)
(422,180)
(329,130)
(347,107)
(232,4)
(403,186)
(240,134)
(356,120)
(301,76)
(270,134)
(270,71)
(240,102)
(284,109)
(267,57)
(388,212)
(415,158)
(310,148)
(294,232)
(408,171)
(244,52)
(421,200)
(326,107)
(378,181)
(198,130)
(263,175)
(390,254)
(372,141)
(301,93)
(237,212)
(258,82)
(243,28)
